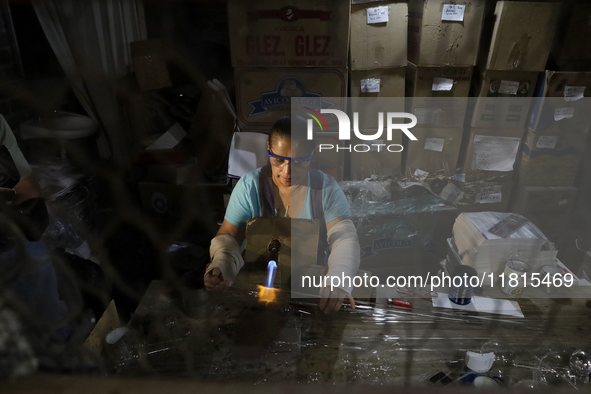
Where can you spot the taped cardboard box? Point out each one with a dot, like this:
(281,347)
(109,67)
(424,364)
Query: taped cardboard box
(543,200)
(489,154)
(562,102)
(410,244)
(504,99)
(551,158)
(271,33)
(572,47)
(378,35)
(377,157)
(436,150)
(439,94)
(263,95)
(372,86)
(522,35)
(442,33)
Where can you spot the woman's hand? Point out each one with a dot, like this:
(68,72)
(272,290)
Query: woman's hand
(214,281)
(331,301)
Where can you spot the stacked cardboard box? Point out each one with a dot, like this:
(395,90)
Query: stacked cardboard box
(443,44)
(506,80)
(282,53)
(377,71)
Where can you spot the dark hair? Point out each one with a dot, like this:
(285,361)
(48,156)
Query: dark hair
(282,129)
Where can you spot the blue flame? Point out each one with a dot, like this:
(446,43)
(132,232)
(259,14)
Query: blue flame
(271,269)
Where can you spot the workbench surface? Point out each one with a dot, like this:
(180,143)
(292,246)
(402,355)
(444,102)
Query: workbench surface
(236,337)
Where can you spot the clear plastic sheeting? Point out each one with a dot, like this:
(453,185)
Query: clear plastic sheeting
(292,341)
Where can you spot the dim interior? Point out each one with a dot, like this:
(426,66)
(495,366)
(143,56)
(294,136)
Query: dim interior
(265,194)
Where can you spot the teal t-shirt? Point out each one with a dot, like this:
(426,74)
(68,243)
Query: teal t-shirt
(245,200)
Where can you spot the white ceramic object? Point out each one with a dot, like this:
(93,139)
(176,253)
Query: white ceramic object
(61,125)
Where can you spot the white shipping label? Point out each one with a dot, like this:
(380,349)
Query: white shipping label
(509,87)
(377,15)
(547,142)
(489,195)
(442,84)
(426,115)
(435,144)
(370,85)
(574,93)
(562,202)
(494,153)
(453,12)
(564,113)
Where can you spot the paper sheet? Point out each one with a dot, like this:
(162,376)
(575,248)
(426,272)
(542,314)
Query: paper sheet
(442,84)
(564,113)
(489,194)
(481,304)
(509,87)
(377,15)
(547,142)
(494,153)
(370,85)
(435,144)
(453,12)
(574,93)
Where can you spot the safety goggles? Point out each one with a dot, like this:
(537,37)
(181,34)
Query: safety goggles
(280,161)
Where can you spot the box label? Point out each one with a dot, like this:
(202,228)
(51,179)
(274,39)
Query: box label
(377,15)
(560,203)
(564,113)
(453,12)
(435,144)
(509,87)
(494,153)
(547,142)
(370,85)
(426,115)
(489,195)
(442,84)
(574,93)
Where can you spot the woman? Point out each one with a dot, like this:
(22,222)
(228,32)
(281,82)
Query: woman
(286,186)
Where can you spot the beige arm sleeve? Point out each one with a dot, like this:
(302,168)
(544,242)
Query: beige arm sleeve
(345,252)
(225,255)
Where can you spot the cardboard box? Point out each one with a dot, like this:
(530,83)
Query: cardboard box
(263,95)
(378,41)
(439,94)
(562,102)
(551,158)
(504,99)
(453,41)
(543,200)
(394,244)
(522,35)
(368,90)
(271,33)
(378,160)
(490,154)
(436,150)
(578,26)
(149,64)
